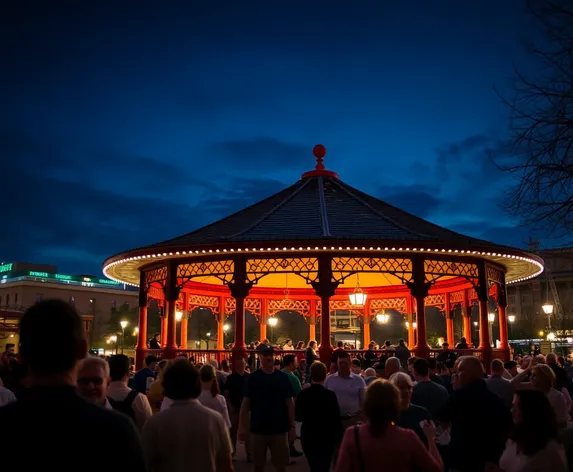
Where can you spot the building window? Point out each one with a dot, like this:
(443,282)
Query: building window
(39,297)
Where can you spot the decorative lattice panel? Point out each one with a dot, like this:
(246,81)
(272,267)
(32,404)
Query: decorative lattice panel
(306,267)
(379,304)
(203,301)
(472,295)
(438,300)
(302,306)
(230,306)
(252,305)
(223,270)
(437,269)
(456,297)
(156,275)
(494,275)
(155,293)
(343,267)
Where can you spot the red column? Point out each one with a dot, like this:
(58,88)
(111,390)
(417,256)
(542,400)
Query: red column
(503,340)
(141,348)
(449,321)
(221,323)
(240,290)
(366,321)
(171,297)
(312,321)
(467,318)
(410,318)
(171,343)
(163,334)
(419,289)
(325,349)
(484,340)
(263,319)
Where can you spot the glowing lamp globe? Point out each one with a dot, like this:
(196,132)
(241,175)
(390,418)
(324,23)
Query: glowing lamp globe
(547,309)
(511,318)
(178,315)
(226,327)
(123,324)
(491,317)
(415,325)
(272,321)
(382,318)
(357,298)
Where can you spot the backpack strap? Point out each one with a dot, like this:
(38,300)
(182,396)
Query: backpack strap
(131,396)
(361,466)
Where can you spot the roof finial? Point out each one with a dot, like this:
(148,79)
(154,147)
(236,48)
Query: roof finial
(319,152)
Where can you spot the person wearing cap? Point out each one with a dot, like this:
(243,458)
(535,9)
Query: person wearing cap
(269,400)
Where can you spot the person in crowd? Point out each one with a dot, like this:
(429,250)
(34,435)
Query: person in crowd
(234,392)
(434,376)
(6,395)
(188,435)
(321,430)
(143,378)
(511,368)
(210,396)
(121,397)
(561,380)
(411,416)
(503,388)
(446,355)
(427,393)
(349,390)
(154,342)
(403,353)
(269,399)
(310,356)
(392,366)
(9,353)
(446,376)
(463,344)
(479,421)
(50,415)
(93,380)
(225,368)
(364,445)
(369,376)
(155,395)
(288,346)
(289,363)
(371,355)
(533,443)
(542,378)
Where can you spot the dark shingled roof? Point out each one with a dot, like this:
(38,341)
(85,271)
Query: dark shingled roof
(321,208)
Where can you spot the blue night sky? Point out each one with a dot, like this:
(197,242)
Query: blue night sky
(126,125)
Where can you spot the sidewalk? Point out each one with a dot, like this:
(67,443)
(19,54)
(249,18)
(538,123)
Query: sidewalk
(242,466)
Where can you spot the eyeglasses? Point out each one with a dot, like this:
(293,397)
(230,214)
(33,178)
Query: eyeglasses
(85,381)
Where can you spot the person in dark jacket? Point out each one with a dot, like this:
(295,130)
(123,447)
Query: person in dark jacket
(143,378)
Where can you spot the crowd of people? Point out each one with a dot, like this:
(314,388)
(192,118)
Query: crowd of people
(384,410)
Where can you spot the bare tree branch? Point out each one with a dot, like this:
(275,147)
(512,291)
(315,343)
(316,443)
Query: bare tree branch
(542,125)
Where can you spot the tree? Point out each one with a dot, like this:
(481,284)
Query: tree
(113,327)
(541,124)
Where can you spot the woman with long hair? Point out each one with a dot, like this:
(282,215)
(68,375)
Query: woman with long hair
(310,356)
(379,441)
(533,443)
(210,396)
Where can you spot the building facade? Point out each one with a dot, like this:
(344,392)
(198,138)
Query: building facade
(23,284)
(525,300)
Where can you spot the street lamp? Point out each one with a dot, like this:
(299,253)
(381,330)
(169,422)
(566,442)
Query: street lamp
(383,318)
(511,319)
(491,319)
(178,315)
(226,328)
(548,310)
(113,339)
(358,297)
(123,324)
(272,321)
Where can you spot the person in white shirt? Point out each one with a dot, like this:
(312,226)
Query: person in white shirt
(6,396)
(288,345)
(349,389)
(210,396)
(123,398)
(93,380)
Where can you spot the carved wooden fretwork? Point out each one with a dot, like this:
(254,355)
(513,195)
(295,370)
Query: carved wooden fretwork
(222,270)
(156,275)
(342,305)
(305,267)
(456,298)
(494,275)
(344,267)
(379,304)
(438,300)
(472,295)
(230,305)
(437,269)
(252,305)
(203,301)
(155,293)
(302,306)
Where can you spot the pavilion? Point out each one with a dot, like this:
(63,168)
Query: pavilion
(331,245)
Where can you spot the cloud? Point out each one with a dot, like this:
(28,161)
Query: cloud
(263,154)
(420,200)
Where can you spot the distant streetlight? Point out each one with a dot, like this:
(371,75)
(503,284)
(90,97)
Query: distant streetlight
(178,315)
(123,326)
(272,321)
(414,325)
(511,319)
(382,318)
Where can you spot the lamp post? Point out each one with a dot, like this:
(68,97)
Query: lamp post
(272,321)
(123,325)
(548,310)
(208,337)
(511,319)
(491,319)
(113,340)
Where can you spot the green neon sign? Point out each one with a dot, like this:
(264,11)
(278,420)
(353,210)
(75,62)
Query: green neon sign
(39,274)
(6,267)
(72,278)
(62,277)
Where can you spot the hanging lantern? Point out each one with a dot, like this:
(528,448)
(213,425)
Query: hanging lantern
(382,318)
(358,297)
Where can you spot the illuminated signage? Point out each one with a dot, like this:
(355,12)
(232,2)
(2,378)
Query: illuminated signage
(6,267)
(85,281)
